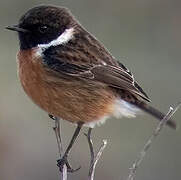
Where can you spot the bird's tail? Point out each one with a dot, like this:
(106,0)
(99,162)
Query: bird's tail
(154,112)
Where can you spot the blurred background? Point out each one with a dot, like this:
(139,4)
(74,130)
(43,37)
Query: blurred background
(143,34)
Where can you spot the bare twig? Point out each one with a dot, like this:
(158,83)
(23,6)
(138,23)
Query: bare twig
(157,131)
(57,130)
(88,135)
(94,159)
(92,172)
(64,173)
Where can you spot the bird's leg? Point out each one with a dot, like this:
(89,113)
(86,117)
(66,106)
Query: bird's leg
(63,160)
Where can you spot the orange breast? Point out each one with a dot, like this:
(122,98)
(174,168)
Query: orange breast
(65,97)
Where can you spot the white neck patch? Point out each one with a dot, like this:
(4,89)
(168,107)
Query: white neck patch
(66,36)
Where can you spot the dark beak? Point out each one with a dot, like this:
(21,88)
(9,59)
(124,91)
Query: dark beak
(17,28)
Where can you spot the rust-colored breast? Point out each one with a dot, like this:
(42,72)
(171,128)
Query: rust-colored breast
(62,96)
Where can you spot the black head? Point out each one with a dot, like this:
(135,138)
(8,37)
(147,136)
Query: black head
(42,24)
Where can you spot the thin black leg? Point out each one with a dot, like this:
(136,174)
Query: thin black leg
(63,160)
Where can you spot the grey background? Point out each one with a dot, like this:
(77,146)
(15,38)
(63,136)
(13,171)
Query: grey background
(143,34)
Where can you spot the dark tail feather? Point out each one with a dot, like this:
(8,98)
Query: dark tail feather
(156,113)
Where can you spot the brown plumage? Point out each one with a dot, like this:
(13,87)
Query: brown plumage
(69,73)
(70,99)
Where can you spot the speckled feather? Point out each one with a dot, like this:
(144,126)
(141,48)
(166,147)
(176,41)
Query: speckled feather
(83,56)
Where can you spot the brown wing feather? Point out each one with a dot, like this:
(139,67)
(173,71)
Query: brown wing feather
(117,78)
(85,57)
(110,75)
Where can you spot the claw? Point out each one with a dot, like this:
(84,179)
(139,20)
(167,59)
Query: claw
(62,162)
(52,117)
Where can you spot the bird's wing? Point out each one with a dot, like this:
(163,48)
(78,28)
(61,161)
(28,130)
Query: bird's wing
(116,76)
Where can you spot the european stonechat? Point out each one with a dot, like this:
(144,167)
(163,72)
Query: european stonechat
(67,72)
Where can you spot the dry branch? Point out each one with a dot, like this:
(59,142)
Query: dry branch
(94,159)
(148,144)
(57,130)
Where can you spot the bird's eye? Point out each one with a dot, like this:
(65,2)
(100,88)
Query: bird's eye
(43,29)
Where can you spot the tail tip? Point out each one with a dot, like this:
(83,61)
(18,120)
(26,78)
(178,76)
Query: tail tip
(172,124)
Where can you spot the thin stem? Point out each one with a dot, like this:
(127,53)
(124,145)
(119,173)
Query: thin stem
(91,150)
(98,156)
(94,159)
(58,137)
(148,144)
(57,130)
(64,173)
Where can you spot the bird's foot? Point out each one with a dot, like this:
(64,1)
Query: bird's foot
(63,161)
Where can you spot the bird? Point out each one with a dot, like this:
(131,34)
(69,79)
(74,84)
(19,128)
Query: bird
(69,74)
